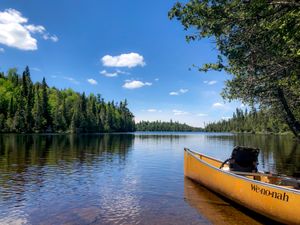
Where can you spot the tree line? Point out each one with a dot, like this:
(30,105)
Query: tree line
(164,126)
(258,44)
(252,121)
(27,107)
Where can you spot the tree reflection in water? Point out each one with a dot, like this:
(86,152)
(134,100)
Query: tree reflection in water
(25,160)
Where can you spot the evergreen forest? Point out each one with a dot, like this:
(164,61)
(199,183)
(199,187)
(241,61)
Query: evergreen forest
(164,126)
(27,107)
(254,121)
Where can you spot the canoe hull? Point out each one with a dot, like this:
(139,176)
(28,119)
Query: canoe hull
(277,203)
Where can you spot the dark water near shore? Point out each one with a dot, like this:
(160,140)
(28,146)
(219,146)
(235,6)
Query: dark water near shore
(123,178)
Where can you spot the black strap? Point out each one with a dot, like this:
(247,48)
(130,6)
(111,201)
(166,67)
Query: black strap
(225,162)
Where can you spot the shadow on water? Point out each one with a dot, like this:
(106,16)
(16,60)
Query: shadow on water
(217,209)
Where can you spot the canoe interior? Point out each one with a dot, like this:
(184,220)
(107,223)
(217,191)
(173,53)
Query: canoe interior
(287,182)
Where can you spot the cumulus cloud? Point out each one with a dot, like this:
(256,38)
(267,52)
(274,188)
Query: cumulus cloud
(134,84)
(92,81)
(113,74)
(15,32)
(211,82)
(129,60)
(218,105)
(181,91)
(12,16)
(179,112)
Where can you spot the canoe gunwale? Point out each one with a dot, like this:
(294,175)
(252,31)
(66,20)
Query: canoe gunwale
(194,153)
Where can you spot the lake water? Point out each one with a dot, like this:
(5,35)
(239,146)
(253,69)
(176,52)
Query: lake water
(123,178)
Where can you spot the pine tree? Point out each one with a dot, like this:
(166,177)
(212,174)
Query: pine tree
(39,120)
(45,106)
(27,94)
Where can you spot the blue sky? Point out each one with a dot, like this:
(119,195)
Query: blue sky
(120,49)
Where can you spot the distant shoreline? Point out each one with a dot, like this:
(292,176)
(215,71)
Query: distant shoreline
(138,131)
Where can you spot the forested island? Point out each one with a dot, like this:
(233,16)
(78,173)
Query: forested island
(165,126)
(27,107)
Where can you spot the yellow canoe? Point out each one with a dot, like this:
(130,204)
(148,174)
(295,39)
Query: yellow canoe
(256,192)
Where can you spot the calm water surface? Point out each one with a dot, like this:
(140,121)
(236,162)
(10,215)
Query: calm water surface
(123,178)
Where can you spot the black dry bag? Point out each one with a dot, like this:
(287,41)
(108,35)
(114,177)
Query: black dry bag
(243,159)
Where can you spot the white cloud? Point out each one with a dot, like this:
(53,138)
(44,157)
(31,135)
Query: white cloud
(15,32)
(92,81)
(53,38)
(107,74)
(218,105)
(134,84)
(211,82)
(2,50)
(156,79)
(179,112)
(113,74)
(181,91)
(35,29)
(124,60)
(173,93)
(202,114)
(11,16)
(16,35)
